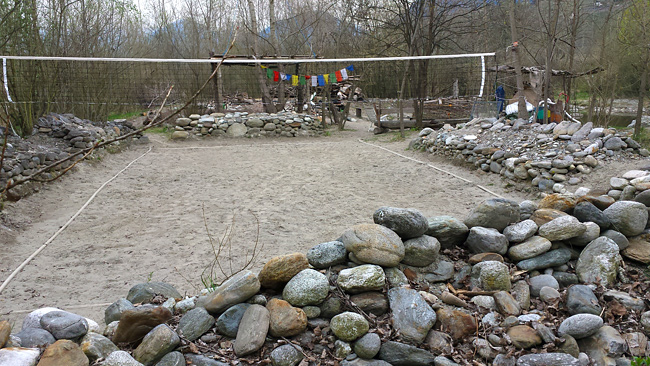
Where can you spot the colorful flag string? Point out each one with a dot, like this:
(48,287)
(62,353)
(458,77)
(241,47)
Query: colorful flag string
(313,80)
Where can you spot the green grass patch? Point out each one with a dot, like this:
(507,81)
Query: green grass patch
(644,138)
(125,115)
(159,130)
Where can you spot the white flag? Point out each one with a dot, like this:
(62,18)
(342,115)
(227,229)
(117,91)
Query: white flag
(314,80)
(344,74)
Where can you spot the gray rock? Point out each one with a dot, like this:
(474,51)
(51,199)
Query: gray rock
(421,251)
(565,279)
(549,295)
(145,292)
(195,323)
(548,359)
(599,262)
(643,197)
(269,127)
(236,130)
(172,359)
(628,217)
(439,272)
(114,311)
(486,240)
(406,222)
(286,355)
(625,299)
(228,322)
(550,259)
(400,354)
(519,232)
(581,325)
(342,349)
(439,342)
(491,276)
(604,346)
(615,143)
(331,307)
(255,122)
(530,248)
(199,360)
(35,337)
(506,303)
(367,277)
(582,133)
(349,326)
(158,342)
(308,287)
(580,299)
(252,330)
(367,346)
(592,232)
(311,311)
(19,356)
(64,325)
(362,362)
(521,293)
(449,231)
(503,360)
(537,282)
(179,135)
(97,346)
(526,209)
(33,319)
(617,237)
(496,213)
(412,317)
(484,301)
(395,277)
(328,254)
(120,358)
(562,228)
(375,244)
(234,290)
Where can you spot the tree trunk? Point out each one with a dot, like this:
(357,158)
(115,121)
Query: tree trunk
(575,23)
(642,87)
(523,112)
(549,57)
(267,101)
(276,47)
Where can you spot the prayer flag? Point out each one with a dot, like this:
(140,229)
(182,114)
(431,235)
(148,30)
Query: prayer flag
(314,80)
(344,74)
(303,81)
(333,78)
(283,76)
(269,73)
(339,77)
(294,80)
(327,78)
(288,77)
(321,80)
(350,68)
(276,76)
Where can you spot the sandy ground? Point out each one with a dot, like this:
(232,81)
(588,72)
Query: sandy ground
(148,224)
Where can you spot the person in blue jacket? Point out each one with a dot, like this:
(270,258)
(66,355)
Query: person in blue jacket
(501,98)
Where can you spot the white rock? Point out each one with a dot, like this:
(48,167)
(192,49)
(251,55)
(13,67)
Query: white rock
(19,356)
(633,174)
(33,319)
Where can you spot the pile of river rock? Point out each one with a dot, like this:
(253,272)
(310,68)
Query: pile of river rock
(55,137)
(243,124)
(513,284)
(546,155)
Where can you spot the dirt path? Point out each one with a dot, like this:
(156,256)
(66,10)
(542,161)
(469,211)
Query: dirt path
(148,223)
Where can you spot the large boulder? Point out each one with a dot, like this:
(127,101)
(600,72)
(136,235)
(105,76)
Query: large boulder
(279,270)
(236,289)
(309,287)
(412,317)
(491,276)
(486,240)
(449,231)
(421,251)
(367,277)
(628,217)
(562,228)
(406,222)
(496,213)
(375,244)
(599,262)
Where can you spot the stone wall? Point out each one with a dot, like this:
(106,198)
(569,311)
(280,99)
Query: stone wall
(242,124)
(549,156)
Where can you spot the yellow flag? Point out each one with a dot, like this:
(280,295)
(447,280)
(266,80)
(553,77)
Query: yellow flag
(327,78)
(294,80)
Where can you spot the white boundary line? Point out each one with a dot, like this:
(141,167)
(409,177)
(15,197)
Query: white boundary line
(480,95)
(249,61)
(5,80)
(434,167)
(22,265)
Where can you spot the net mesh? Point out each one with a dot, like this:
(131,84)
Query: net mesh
(98,89)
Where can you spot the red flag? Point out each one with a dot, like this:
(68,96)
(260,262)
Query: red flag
(276,76)
(339,77)
(307,77)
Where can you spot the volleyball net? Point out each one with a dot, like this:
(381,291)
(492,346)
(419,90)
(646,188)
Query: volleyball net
(97,88)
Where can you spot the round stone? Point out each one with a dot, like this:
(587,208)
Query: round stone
(309,287)
(406,222)
(349,326)
(562,228)
(628,217)
(326,255)
(581,325)
(421,251)
(530,248)
(374,244)
(367,346)
(491,276)
(367,277)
